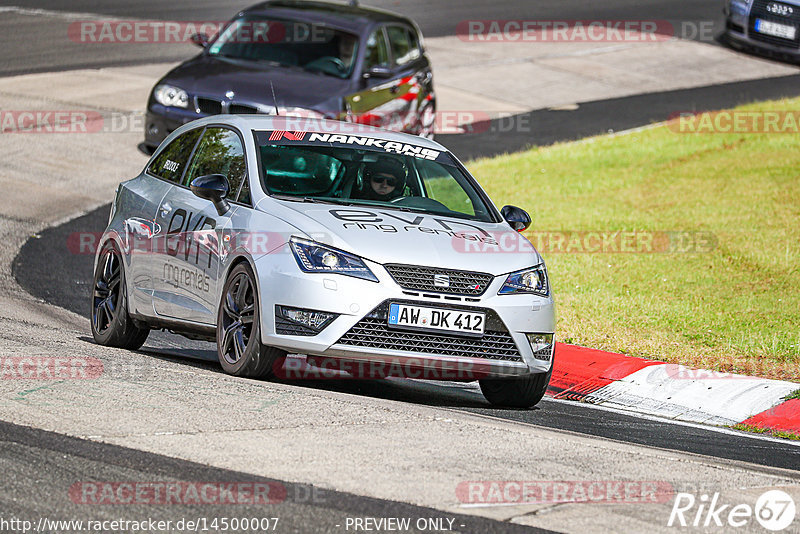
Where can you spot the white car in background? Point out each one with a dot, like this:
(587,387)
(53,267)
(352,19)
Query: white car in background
(346,243)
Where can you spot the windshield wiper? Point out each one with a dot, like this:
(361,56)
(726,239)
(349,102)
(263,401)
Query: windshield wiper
(314,200)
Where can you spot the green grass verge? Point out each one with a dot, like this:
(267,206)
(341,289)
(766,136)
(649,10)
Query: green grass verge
(735,308)
(759,430)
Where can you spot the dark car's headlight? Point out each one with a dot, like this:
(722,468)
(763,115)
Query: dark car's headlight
(533,281)
(169,95)
(314,257)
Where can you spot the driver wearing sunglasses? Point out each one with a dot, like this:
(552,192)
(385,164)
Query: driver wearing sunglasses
(386,179)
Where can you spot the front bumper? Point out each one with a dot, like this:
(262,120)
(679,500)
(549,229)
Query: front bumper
(740,32)
(359,304)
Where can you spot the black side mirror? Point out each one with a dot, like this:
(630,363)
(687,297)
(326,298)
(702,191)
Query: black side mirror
(213,187)
(200,39)
(378,71)
(518,218)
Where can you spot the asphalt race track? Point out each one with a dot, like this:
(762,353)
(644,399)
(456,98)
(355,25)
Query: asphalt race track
(435,19)
(300,508)
(39,466)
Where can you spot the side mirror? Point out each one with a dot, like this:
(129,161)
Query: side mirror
(200,39)
(518,218)
(379,72)
(213,187)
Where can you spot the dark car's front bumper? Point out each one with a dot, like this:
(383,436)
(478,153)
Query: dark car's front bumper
(740,30)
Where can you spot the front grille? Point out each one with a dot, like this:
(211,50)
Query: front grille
(418,278)
(373,332)
(209,106)
(290,328)
(242,109)
(759,11)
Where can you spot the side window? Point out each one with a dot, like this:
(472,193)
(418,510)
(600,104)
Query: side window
(377,53)
(405,48)
(220,152)
(169,164)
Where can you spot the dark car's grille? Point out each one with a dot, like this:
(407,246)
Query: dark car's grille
(759,11)
(242,109)
(373,332)
(418,278)
(212,106)
(209,106)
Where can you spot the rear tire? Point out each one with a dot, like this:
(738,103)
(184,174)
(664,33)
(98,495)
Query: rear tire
(239,346)
(518,392)
(111,324)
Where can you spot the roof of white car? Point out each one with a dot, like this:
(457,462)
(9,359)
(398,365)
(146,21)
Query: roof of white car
(303,124)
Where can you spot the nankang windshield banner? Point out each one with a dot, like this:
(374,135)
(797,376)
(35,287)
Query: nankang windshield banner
(343,140)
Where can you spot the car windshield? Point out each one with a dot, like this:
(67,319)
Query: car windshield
(299,171)
(288,43)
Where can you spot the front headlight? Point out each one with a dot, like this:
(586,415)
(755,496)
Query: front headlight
(169,95)
(314,257)
(533,281)
(739,6)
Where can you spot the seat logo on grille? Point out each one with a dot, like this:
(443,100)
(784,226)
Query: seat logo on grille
(441,280)
(780,9)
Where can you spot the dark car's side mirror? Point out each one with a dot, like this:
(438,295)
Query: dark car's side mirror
(200,39)
(518,218)
(213,187)
(379,72)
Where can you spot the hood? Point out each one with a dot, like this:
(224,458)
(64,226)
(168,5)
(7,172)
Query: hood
(211,76)
(385,235)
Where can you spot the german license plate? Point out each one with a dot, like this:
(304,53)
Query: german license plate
(773,28)
(423,317)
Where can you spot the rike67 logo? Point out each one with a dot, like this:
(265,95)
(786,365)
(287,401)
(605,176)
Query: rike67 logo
(774,510)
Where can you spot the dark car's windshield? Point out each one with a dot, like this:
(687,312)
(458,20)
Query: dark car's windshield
(355,176)
(288,43)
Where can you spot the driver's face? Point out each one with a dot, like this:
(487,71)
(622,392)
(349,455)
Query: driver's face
(383,183)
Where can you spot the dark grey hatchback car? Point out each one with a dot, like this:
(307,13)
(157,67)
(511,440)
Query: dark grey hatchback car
(301,58)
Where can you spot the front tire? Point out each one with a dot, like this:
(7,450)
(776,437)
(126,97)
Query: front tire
(239,346)
(518,392)
(111,324)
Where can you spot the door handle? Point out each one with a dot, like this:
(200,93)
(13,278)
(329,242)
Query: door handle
(166,208)
(394,88)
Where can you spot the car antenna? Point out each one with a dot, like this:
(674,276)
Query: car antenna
(274,100)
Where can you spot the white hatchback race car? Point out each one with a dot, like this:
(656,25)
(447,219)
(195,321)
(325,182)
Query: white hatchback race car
(372,252)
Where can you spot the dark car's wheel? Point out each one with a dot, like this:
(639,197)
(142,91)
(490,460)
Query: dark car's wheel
(111,324)
(239,346)
(520,392)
